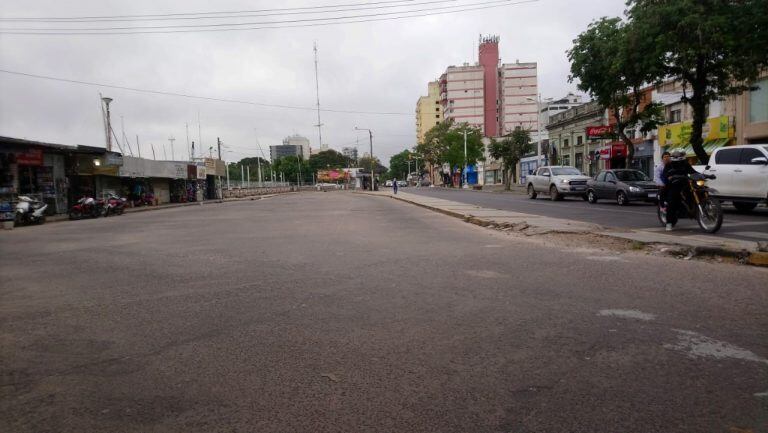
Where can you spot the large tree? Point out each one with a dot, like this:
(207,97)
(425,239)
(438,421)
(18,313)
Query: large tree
(327,159)
(433,147)
(613,65)
(251,165)
(293,168)
(714,48)
(398,165)
(509,150)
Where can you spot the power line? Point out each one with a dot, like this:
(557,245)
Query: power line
(234,14)
(199,13)
(108,31)
(206,98)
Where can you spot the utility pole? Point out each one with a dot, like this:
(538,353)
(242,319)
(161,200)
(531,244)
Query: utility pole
(464,175)
(261,181)
(317,93)
(153,150)
(218,142)
(138,146)
(109,124)
(189,151)
(242,175)
(192,157)
(227,165)
(373,161)
(171,139)
(248,174)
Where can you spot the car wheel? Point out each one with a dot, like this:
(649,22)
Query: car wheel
(591,197)
(554,195)
(745,207)
(621,198)
(531,192)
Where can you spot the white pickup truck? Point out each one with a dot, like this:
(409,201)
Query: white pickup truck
(742,175)
(557,182)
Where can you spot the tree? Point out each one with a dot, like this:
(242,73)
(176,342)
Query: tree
(250,164)
(365,164)
(509,150)
(612,65)
(398,165)
(293,169)
(714,48)
(444,143)
(433,147)
(327,159)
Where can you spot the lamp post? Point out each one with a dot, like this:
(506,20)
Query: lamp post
(464,175)
(109,123)
(370,139)
(538,126)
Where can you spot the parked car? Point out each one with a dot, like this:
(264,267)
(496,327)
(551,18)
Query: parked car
(557,181)
(402,183)
(624,186)
(741,175)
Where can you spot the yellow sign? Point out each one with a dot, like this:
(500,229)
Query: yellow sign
(679,134)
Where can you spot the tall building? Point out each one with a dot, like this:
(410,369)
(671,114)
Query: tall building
(429,112)
(298,140)
(283,150)
(349,152)
(494,97)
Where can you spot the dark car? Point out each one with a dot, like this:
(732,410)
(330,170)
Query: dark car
(623,185)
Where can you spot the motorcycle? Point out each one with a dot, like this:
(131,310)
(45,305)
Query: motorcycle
(114,205)
(698,204)
(30,211)
(87,207)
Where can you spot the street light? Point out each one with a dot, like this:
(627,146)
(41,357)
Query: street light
(370,138)
(538,125)
(109,123)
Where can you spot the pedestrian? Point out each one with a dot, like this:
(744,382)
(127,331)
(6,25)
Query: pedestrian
(661,179)
(394,185)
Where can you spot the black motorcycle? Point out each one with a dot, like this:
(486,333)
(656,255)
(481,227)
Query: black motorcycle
(698,204)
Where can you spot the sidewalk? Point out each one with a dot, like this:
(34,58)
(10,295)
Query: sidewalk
(128,210)
(528,224)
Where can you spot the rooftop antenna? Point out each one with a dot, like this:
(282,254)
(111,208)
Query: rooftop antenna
(317,92)
(125,138)
(189,151)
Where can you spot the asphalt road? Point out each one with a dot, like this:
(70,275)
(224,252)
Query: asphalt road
(339,312)
(751,227)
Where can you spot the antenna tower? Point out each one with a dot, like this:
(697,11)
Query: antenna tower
(317,92)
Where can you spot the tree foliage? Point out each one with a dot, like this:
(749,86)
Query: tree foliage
(398,165)
(327,159)
(365,164)
(444,143)
(252,164)
(714,48)
(293,168)
(611,63)
(510,149)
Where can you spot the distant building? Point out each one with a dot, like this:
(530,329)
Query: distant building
(350,152)
(298,140)
(323,148)
(429,112)
(283,150)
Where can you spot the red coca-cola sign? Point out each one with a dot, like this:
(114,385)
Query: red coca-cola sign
(598,131)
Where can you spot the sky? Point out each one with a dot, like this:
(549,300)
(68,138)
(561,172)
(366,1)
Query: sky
(369,67)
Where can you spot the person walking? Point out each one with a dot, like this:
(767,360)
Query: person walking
(394,186)
(661,179)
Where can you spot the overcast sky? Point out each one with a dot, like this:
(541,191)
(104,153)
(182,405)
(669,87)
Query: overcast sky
(373,66)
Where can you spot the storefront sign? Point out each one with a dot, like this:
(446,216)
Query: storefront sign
(201,171)
(601,131)
(30,157)
(680,133)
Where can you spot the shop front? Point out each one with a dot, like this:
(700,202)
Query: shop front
(643,158)
(613,155)
(716,132)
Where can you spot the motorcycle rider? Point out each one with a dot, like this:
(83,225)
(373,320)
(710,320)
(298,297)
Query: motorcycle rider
(676,172)
(660,180)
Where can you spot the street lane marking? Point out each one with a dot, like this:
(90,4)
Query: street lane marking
(700,346)
(628,314)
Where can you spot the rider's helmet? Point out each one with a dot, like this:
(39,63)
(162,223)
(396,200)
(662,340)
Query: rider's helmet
(678,155)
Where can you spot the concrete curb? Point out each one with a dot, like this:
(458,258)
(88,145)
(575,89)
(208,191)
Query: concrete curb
(527,225)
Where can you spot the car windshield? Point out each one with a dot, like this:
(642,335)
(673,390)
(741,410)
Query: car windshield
(630,175)
(565,171)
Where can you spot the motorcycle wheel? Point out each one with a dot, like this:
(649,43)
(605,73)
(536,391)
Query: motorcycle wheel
(709,215)
(75,214)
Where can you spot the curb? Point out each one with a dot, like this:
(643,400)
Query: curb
(756,258)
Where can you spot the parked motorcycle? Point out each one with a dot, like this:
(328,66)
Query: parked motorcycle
(697,204)
(87,207)
(114,205)
(30,211)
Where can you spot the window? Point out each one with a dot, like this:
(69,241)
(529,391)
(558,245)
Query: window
(565,143)
(579,140)
(566,159)
(747,154)
(437,108)
(631,175)
(544,172)
(601,177)
(727,156)
(437,123)
(758,102)
(675,116)
(437,116)
(579,160)
(609,177)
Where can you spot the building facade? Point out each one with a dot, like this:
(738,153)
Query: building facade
(297,140)
(569,143)
(752,113)
(350,153)
(429,111)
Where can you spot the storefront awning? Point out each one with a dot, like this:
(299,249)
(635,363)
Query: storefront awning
(709,146)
